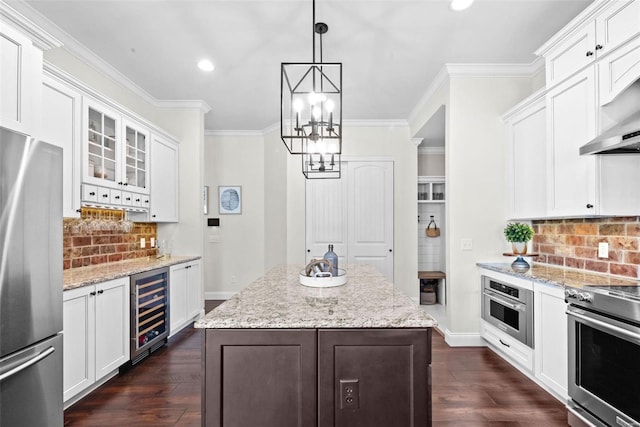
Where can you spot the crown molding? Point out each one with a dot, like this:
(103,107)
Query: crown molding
(494,70)
(417,141)
(441,78)
(39,37)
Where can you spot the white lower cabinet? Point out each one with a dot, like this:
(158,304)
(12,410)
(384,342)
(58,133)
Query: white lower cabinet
(547,362)
(550,319)
(96,333)
(186,298)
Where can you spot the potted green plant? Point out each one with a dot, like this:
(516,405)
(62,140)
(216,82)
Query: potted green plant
(518,234)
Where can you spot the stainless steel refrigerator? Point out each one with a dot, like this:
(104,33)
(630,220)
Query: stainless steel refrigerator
(30,282)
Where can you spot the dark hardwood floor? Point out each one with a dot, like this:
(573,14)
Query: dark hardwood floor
(471,387)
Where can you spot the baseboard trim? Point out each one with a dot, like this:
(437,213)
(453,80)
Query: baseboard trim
(218,295)
(463,340)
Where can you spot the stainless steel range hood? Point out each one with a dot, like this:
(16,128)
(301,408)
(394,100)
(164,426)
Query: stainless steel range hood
(623,138)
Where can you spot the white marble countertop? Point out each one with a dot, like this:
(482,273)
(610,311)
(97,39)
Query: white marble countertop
(84,276)
(278,300)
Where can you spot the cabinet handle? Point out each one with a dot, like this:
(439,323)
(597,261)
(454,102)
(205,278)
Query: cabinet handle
(125,184)
(93,193)
(504,343)
(390,250)
(137,200)
(589,53)
(117,197)
(589,206)
(79,210)
(120,183)
(153,216)
(101,291)
(308,250)
(105,195)
(91,294)
(598,46)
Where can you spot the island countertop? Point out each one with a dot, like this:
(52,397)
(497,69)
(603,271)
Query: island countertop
(277,300)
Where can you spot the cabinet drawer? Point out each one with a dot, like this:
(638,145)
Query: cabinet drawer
(127,198)
(511,348)
(89,193)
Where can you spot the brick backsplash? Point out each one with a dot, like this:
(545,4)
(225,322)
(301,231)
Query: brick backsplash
(85,245)
(574,243)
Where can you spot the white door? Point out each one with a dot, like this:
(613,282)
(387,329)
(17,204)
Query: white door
(355,214)
(326,217)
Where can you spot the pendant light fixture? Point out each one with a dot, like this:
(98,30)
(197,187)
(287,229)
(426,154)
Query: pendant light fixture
(311,110)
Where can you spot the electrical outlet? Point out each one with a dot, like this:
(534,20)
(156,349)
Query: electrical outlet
(466,244)
(142,242)
(349,394)
(233,280)
(603,250)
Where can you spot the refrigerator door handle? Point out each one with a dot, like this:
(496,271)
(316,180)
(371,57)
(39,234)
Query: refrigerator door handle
(35,359)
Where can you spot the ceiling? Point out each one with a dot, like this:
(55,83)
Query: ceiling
(391,50)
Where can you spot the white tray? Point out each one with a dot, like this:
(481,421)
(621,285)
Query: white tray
(324,282)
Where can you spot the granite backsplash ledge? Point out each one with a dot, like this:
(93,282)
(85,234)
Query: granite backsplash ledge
(574,243)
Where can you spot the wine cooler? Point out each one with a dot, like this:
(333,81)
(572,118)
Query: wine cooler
(149,312)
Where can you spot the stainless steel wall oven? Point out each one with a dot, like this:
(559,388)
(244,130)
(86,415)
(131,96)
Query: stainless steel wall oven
(149,312)
(604,354)
(508,308)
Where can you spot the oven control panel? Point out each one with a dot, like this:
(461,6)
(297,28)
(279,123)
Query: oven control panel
(579,295)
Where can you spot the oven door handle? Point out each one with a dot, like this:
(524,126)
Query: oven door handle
(604,325)
(517,307)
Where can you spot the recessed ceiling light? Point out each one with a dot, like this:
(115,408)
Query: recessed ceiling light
(460,4)
(206,65)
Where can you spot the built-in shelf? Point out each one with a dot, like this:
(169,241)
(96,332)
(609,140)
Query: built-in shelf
(431,189)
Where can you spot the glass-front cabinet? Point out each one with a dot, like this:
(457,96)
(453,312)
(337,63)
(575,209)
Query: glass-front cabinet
(101,145)
(136,157)
(116,150)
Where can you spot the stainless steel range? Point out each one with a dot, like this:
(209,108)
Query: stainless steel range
(604,354)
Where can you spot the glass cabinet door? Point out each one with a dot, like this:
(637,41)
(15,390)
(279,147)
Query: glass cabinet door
(101,146)
(136,157)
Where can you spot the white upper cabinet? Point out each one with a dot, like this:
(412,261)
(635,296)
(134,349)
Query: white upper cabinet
(616,24)
(135,159)
(571,55)
(20,81)
(164,180)
(598,32)
(571,122)
(527,158)
(102,145)
(61,112)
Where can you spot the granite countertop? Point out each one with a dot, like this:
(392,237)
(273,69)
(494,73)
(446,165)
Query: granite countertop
(560,276)
(83,276)
(278,300)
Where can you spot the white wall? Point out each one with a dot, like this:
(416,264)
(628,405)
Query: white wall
(476,184)
(239,256)
(431,164)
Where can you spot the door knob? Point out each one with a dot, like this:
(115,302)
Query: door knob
(390,250)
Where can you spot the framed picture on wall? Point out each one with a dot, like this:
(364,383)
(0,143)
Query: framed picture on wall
(230,199)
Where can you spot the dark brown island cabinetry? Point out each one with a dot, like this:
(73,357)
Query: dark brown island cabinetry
(317,377)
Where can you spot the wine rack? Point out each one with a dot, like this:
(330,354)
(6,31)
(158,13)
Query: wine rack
(149,312)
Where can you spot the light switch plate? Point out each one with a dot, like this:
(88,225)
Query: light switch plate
(466,244)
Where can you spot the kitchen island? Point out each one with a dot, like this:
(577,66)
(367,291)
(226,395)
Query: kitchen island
(282,354)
